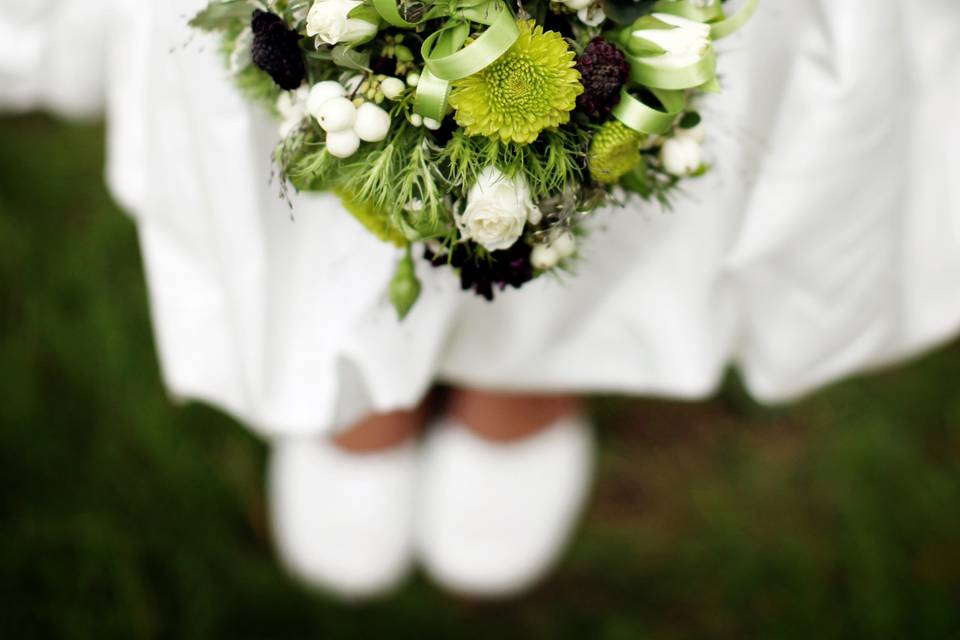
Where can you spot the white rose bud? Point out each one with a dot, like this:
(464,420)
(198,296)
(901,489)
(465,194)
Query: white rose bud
(320,93)
(392,88)
(544,257)
(564,244)
(342,144)
(497,210)
(683,45)
(329,20)
(336,114)
(372,123)
(680,156)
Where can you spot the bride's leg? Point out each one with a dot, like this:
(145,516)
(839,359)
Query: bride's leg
(504,417)
(382,431)
(504,479)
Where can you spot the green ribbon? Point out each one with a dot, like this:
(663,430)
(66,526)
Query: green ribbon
(476,56)
(721,25)
(684,9)
(669,84)
(445,57)
(643,118)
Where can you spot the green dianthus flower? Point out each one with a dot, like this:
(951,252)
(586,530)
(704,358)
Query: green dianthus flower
(614,151)
(374,221)
(531,87)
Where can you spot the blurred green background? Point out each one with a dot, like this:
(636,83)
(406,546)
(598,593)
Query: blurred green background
(126,517)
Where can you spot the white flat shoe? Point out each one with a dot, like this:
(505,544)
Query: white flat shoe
(343,522)
(493,518)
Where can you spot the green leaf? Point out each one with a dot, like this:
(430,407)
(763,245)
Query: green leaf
(627,11)
(344,56)
(690,120)
(222,14)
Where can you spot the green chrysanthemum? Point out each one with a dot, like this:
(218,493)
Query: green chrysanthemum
(614,151)
(376,223)
(531,87)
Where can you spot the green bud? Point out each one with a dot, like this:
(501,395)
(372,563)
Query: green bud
(404,287)
(403,53)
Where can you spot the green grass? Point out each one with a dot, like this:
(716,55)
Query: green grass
(122,516)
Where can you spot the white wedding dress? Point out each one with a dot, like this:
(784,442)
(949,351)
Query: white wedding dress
(826,240)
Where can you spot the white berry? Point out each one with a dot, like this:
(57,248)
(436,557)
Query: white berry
(564,244)
(342,144)
(392,88)
(320,93)
(416,120)
(544,257)
(431,124)
(337,114)
(680,156)
(372,123)
(413,79)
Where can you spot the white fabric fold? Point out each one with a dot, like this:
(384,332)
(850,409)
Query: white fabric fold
(825,242)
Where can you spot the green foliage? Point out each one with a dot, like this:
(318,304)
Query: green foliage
(554,162)
(222,15)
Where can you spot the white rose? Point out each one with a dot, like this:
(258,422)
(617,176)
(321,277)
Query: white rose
(684,45)
(680,156)
(497,210)
(329,20)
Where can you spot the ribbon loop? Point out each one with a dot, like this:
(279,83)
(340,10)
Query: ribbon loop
(643,118)
(721,25)
(476,56)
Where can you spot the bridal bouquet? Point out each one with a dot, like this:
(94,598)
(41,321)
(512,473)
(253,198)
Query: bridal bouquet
(484,131)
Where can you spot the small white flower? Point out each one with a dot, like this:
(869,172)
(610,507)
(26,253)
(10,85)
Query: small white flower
(343,144)
(497,210)
(680,156)
(392,88)
(292,106)
(544,257)
(352,84)
(373,123)
(592,16)
(564,244)
(336,114)
(697,133)
(329,20)
(683,45)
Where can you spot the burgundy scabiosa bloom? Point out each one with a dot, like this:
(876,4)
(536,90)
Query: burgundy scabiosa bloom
(276,50)
(603,71)
(484,273)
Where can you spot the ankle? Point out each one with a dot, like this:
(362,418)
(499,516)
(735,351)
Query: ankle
(507,417)
(381,432)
